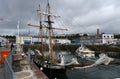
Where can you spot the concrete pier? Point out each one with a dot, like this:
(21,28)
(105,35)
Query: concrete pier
(39,74)
(1,71)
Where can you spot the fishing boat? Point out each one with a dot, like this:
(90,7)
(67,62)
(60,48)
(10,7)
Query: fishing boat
(48,64)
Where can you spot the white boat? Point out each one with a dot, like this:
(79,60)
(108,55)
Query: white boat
(83,52)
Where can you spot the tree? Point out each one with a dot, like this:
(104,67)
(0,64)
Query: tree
(85,34)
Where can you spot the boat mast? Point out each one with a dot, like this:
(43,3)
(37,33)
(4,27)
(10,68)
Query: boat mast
(50,28)
(50,34)
(41,33)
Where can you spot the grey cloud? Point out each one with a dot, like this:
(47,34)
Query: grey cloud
(76,15)
(95,14)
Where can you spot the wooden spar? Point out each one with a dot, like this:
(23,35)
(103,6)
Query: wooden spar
(50,35)
(43,26)
(59,28)
(37,26)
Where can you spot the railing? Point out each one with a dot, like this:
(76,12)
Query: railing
(8,70)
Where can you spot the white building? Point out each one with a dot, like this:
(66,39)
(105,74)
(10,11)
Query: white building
(61,41)
(24,39)
(3,41)
(38,40)
(108,39)
(90,40)
(54,41)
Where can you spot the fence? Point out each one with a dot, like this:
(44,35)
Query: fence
(8,71)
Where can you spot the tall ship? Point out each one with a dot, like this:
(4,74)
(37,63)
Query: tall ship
(48,64)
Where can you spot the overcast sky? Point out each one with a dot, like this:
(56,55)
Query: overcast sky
(79,16)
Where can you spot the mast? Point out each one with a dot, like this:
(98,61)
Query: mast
(40,26)
(50,28)
(50,34)
(41,34)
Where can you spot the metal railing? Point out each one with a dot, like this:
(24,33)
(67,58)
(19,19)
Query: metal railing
(8,70)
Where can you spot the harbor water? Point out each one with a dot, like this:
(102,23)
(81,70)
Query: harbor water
(96,72)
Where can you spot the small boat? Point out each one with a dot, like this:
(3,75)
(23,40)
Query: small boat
(83,52)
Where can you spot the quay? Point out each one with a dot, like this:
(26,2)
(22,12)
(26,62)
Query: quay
(38,74)
(2,66)
(1,71)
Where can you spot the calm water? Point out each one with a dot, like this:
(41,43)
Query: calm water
(97,72)
(102,72)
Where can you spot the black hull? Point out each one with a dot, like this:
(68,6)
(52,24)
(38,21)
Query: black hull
(53,72)
(47,69)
